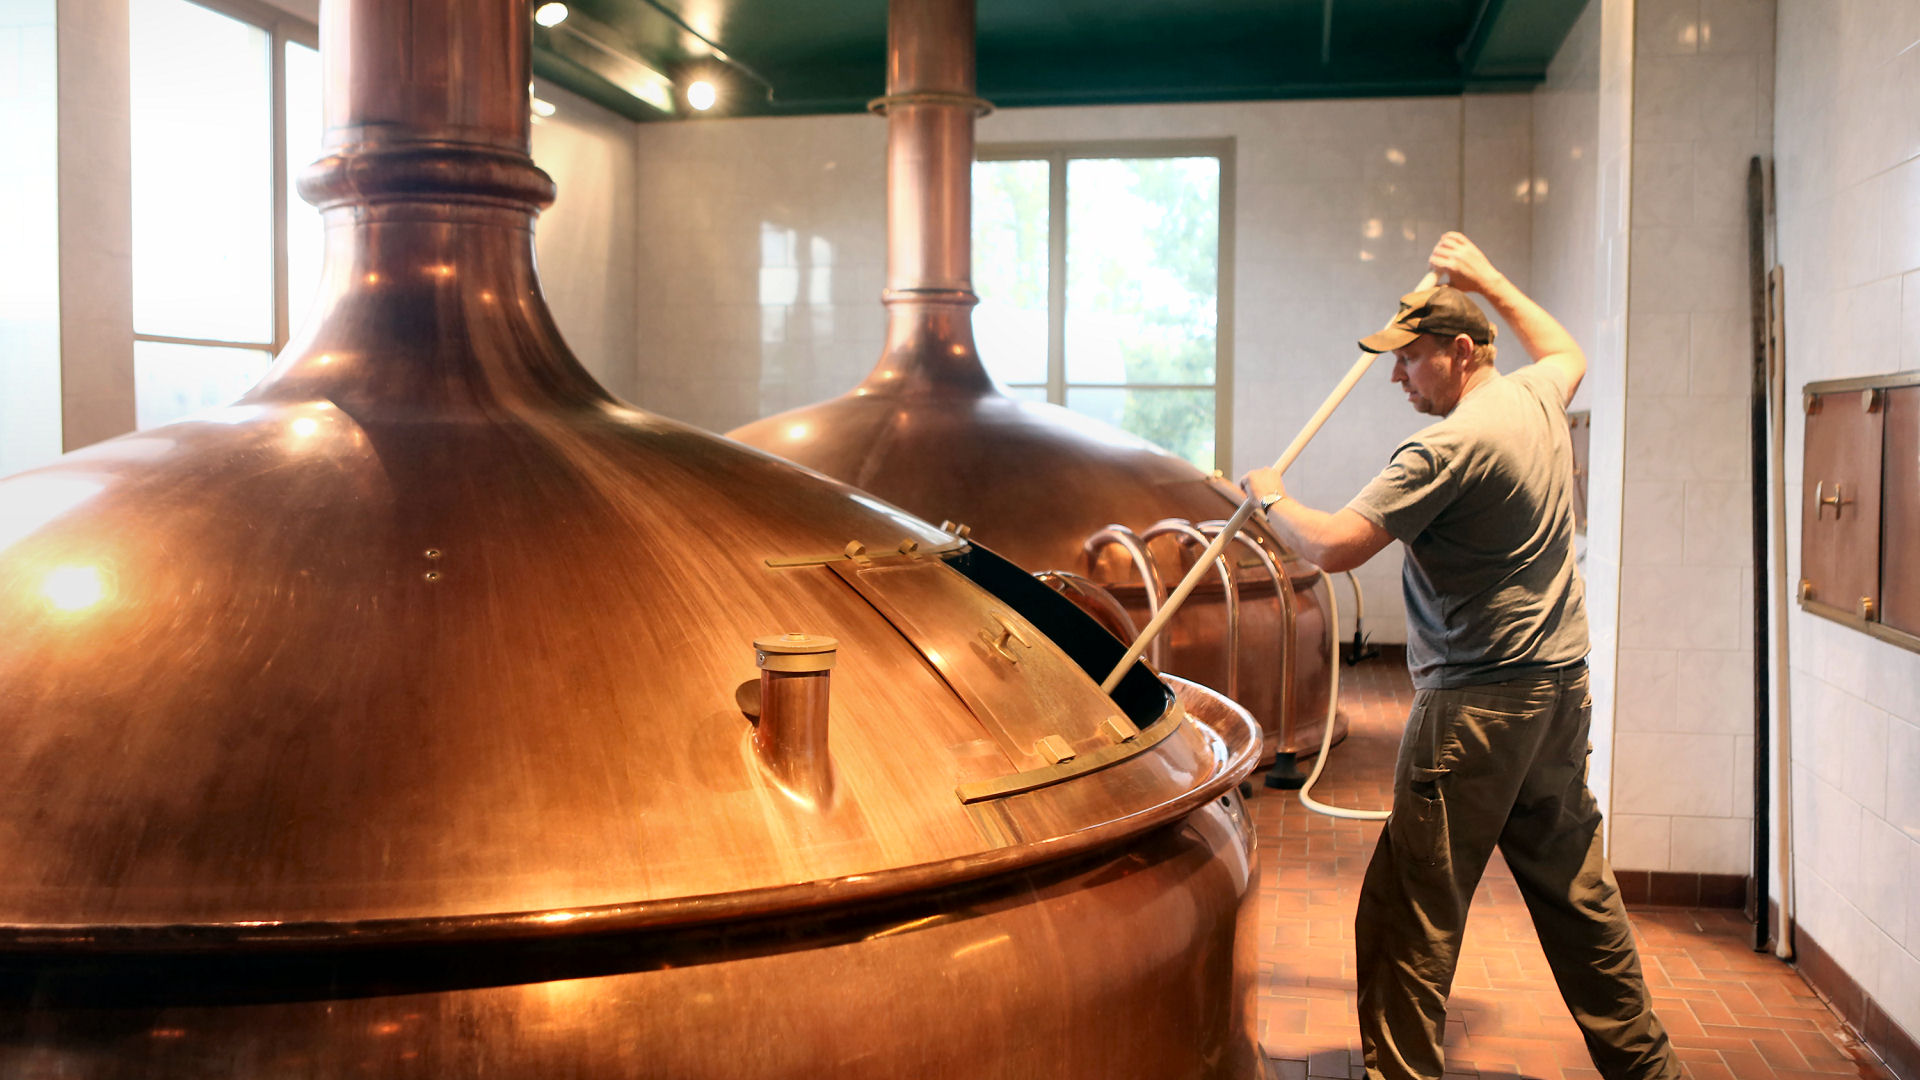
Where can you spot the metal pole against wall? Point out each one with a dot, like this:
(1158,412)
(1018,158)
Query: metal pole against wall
(1757,437)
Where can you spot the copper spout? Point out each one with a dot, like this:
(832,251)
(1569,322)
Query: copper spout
(790,735)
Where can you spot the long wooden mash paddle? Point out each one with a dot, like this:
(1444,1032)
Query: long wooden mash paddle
(1240,516)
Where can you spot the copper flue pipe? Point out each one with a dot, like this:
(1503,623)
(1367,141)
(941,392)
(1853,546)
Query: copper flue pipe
(930,109)
(426,99)
(426,70)
(429,191)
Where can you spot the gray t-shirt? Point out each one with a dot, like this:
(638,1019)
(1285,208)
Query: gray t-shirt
(1483,501)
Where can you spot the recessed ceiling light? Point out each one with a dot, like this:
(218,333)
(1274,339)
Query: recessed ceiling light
(701,95)
(550,14)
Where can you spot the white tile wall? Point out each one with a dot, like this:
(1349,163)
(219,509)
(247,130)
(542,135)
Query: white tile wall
(1644,840)
(1701,107)
(1581,159)
(29,231)
(96,223)
(588,240)
(1848,190)
(764,247)
(762,256)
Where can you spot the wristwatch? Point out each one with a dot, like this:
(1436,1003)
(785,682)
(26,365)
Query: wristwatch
(1267,501)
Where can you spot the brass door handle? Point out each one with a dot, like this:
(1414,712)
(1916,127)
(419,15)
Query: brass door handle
(1822,500)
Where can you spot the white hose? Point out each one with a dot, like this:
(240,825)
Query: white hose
(1333,711)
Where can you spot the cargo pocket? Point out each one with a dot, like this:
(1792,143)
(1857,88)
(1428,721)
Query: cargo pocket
(1419,821)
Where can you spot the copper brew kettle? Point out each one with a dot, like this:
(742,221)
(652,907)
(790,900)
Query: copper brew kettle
(1104,516)
(428,712)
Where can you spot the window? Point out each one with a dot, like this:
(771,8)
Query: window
(225,255)
(29,235)
(1099,274)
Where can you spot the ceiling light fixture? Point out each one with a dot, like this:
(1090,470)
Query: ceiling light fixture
(701,95)
(550,14)
(542,108)
(585,42)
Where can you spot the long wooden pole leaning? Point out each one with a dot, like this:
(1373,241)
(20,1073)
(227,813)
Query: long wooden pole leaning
(1246,510)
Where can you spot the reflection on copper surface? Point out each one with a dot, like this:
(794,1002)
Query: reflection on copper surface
(988,943)
(232,414)
(34,499)
(907,927)
(73,588)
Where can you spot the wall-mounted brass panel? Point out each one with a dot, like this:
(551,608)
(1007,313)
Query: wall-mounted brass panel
(1860,508)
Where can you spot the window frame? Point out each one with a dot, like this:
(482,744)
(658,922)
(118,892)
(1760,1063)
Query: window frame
(1057,155)
(282,28)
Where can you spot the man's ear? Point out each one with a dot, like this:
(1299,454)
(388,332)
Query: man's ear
(1462,349)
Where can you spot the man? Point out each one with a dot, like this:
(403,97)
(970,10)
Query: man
(1496,744)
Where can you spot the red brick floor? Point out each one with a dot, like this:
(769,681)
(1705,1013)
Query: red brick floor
(1733,1014)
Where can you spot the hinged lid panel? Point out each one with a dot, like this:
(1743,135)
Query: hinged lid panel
(1840,506)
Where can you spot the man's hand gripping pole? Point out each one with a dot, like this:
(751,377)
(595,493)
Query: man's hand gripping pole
(1246,510)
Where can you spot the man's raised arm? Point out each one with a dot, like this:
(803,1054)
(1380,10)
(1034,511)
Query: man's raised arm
(1545,340)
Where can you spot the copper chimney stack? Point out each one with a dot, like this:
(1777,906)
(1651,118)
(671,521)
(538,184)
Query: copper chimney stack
(394,721)
(1105,518)
(930,108)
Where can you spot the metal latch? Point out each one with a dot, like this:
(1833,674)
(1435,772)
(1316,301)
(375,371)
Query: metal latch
(1002,642)
(1054,749)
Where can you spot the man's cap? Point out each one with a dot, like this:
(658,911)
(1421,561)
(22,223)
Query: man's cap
(1442,310)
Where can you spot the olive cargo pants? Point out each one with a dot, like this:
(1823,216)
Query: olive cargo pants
(1502,764)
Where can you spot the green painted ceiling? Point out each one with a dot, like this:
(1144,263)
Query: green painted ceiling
(794,57)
